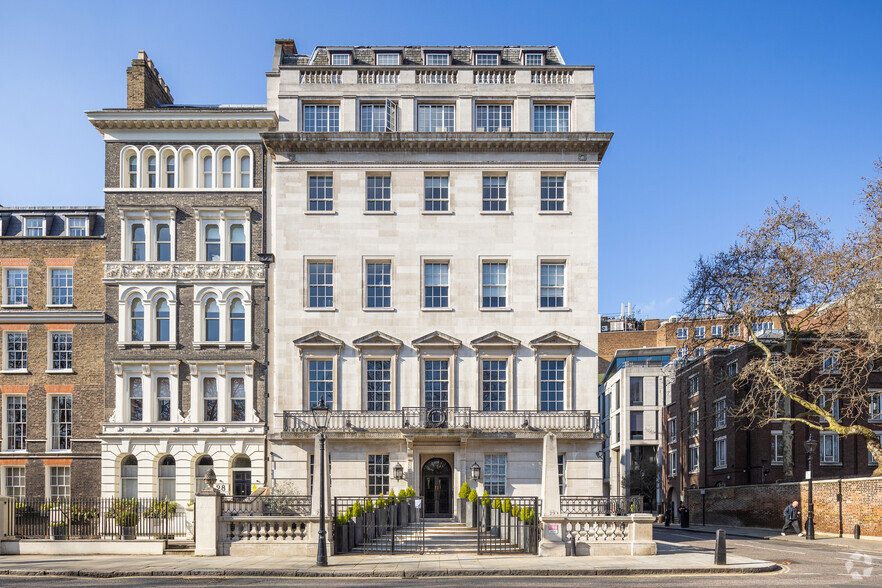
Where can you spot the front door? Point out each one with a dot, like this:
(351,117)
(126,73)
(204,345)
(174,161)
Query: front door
(437,477)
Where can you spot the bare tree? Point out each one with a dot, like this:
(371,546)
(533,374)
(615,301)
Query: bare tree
(823,295)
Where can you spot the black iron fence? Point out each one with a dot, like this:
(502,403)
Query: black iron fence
(378,524)
(601,505)
(271,505)
(99,518)
(506,525)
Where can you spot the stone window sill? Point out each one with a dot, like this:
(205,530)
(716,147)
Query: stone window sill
(59,306)
(66,371)
(12,372)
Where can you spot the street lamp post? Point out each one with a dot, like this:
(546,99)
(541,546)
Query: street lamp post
(811,445)
(320,414)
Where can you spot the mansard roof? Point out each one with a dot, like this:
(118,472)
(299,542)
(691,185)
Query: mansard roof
(377,339)
(554,339)
(496,339)
(437,339)
(318,339)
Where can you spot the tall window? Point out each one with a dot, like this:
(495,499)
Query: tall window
(17,351)
(436,284)
(378,381)
(166,476)
(132,171)
(378,475)
(493,384)
(494,474)
(237,320)
(378,118)
(34,227)
(206,173)
(170,171)
(163,321)
(672,430)
(694,386)
(14,478)
(561,472)
(163,400)
(673,456)
(321,284)
(60,408)
(693,422)
(777,447)
(551,118)
(209,399)
(321,118)
(151,171)
(699,332)
(720,452)
(876,407)
(212,243)
(17,286)
(437,193)
(212,320)
(720,414)
(16,410)
(494,194)
(436,382)
(636,391)
(163,243)
(435,118)
(693,458)
(227,171)
(237,243)
(551,284)
(321,382)
(245,171)
(378,195)
(493,285)
(321,193)
(492,117)
(551,384)
(77,226)
(237,400)
(136,319)
(551,193)
(59,483)
(136,400)
(139,243)
(128,477)
(829,448)
(204,464)
(378,282)
(62,286)
(62,351)
(636,424)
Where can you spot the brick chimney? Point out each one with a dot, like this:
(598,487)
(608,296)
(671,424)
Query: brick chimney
(144,87)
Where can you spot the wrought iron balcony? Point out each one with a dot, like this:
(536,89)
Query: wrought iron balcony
(418,418)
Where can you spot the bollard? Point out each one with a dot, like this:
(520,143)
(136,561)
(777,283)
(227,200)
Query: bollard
(720,548)
(857,531)
(573,545)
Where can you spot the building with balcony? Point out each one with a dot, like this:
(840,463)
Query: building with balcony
(52,373)
(185,293)
(434,226)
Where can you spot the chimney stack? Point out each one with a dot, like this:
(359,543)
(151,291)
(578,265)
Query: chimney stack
(144,87)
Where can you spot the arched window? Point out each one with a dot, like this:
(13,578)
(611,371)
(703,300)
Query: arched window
(241,468)
(212,320)
(163,399)
(206,172)
(209,399)
(212,243)
(237,320)
(170,171)
(204,464)
(136,400)
(245,171)
(163,317)
(237,399)
(151,171)
(167,478)
(237,243)
(139,243)
(188,170)
(133,171)
(163,243)
(128,477)
(227,171)
(137,320)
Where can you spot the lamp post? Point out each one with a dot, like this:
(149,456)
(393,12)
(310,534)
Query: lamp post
(811,445)
(320,414)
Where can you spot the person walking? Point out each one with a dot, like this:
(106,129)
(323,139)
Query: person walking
(791,519)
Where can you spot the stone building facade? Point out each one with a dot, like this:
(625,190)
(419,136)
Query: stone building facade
(434,226)
(52,327)
(184,293)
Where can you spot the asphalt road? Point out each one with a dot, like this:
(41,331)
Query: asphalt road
(803,564)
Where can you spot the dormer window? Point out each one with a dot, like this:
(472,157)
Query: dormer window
(77,226)
(34,227)
(534,59)
(340,59)
(486,58)
(437,59)
(388,59)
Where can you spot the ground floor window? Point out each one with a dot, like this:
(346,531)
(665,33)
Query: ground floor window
(494,474)
(128,477)
(167,478)
(14,482)
(203,464)
(59,483)
(693,458)
(378,475)
(241,469)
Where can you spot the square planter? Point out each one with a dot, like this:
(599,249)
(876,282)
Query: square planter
(127,533)
(58,533)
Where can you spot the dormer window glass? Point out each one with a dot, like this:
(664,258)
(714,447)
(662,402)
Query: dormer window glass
(212,243)
(226,171)
(139,243)
(437,59)
(339,59)
(78,226)
(534,59)
(151,171)
(388,59)
(487,59)
(34,227)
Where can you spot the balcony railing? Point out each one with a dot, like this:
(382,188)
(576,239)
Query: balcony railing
(446,418)
(601,505)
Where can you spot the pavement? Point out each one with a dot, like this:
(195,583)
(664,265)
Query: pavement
(869,544)
(383,566)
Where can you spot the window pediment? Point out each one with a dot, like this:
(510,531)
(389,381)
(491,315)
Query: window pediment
(437,339)
(496,339)
(377,339)
(318,339)
(554,339)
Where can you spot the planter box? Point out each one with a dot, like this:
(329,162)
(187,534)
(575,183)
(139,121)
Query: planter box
(58,533)
(127,533)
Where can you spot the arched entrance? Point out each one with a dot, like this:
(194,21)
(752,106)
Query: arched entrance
(437,478)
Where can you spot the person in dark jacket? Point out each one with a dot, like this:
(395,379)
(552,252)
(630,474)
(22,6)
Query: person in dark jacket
(791,519)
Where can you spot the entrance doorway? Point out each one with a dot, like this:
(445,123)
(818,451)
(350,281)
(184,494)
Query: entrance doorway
(437,478)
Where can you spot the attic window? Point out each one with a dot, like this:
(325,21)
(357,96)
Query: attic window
(486,58)
(388,59)
(35,226)
(77,226)
(339,59)
(534,59)
(437,59)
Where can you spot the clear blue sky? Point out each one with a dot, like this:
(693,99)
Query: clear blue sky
(718,107)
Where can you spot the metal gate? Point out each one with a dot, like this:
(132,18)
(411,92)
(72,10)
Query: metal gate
(508,525)
(396,527)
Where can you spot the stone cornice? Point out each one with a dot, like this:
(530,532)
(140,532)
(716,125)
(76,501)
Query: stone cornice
(183,119)
(596,143)
(122,271)
(51,316)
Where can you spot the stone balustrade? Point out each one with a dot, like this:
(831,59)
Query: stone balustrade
(597,535)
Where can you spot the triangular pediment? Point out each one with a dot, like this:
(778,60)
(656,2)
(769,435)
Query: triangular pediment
(437,339)
(495,339)
(318,339)
(377,339)
(554,339)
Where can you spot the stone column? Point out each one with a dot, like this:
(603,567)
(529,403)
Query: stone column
(209,504)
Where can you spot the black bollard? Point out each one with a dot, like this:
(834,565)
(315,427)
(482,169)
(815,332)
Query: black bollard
(720,548)
(573,545)
(857,531)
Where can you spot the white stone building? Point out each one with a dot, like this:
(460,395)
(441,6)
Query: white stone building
(433,216)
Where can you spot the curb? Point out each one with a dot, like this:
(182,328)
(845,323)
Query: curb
(772,567)
(714,532)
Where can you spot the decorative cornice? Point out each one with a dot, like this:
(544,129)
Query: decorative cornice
(183,119)
(51,316)
(121,271)
(596,143)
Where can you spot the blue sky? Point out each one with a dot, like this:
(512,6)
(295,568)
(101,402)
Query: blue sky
(718,107)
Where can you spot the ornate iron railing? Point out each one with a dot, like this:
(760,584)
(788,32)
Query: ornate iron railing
(601,505)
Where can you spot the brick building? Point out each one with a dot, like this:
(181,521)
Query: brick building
(52,377)
(185,293)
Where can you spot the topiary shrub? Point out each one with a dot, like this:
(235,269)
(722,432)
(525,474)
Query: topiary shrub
(485,498)
(411,492)
(473,495)
(402,495)
(506,506)
(464,490)
(497,504)
(357,511)
(368,506)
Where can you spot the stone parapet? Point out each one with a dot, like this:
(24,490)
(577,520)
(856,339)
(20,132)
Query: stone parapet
(597,535)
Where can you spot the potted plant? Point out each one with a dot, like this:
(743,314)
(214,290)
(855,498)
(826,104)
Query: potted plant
(505,519)
(158,514)
(485,502)
(126,512)
(58,531)
(473,499)
(463,495)
(341,534)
